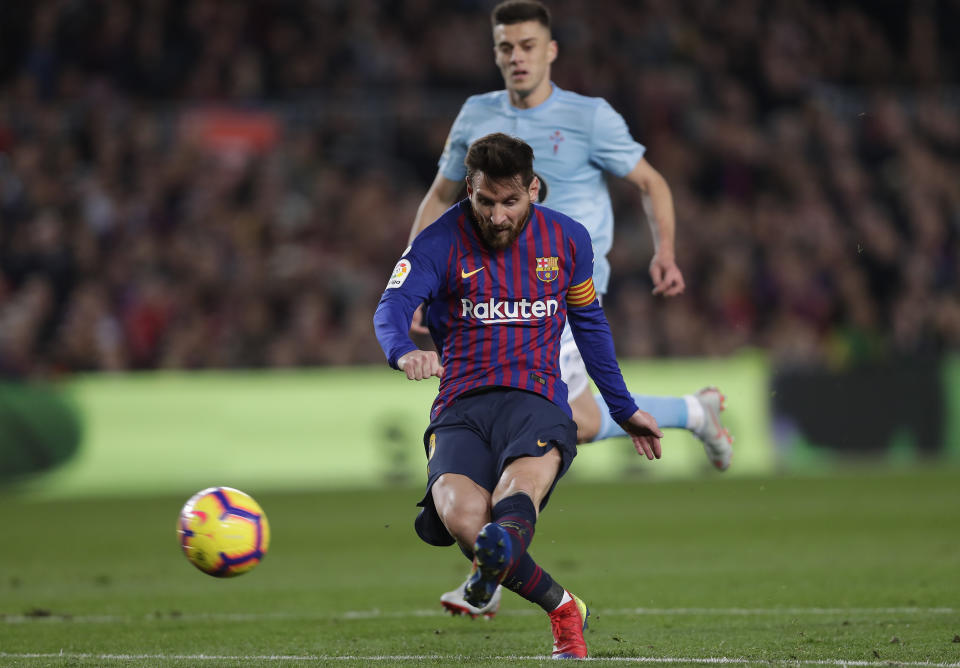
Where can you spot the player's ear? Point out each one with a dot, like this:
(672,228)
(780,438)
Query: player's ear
(534,189)
(543,188)
(552,50)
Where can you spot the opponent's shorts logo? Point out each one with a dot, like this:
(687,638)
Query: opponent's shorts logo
(400,273)
(433,446)
(548,268)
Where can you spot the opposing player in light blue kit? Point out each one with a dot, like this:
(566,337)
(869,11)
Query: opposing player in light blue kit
(575,140)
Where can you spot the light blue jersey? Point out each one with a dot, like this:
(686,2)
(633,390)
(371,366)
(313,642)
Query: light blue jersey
(575,139)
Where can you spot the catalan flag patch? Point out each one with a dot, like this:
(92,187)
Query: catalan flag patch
(582,294)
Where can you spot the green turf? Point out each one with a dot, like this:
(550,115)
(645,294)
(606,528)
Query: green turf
(863,566)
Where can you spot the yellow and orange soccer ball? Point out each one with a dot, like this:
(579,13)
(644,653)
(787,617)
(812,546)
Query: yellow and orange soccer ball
(223,531)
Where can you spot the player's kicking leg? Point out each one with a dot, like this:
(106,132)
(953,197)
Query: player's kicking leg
(494,558)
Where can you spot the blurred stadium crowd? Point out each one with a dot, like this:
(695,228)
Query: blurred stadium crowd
(210,183)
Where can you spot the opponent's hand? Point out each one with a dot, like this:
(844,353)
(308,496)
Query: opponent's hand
(416,324)
(420,364)
(666,276)
(642,429)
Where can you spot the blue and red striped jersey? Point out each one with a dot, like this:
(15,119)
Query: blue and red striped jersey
(496,316)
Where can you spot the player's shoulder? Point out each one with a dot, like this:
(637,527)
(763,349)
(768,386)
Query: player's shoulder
(572,97)
(570,226)
(485,101)
(586,102)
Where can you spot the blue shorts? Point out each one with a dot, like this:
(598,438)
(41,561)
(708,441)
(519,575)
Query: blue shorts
(480,433)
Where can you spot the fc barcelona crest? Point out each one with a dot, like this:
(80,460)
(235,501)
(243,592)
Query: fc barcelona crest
(548,268)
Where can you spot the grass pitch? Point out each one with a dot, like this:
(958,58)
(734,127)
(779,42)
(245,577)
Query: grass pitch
(861,568)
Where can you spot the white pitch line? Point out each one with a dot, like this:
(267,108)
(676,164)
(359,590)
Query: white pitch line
(394,614)
(282,658)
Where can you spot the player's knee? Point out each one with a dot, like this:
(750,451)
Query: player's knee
(465,522)
(462,509)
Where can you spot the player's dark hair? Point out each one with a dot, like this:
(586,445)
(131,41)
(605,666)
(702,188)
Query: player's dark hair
(518,11)
(501,158)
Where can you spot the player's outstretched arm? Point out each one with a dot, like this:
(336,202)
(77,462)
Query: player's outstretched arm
(658,206)
(420,364)
(416,278)
(645,434)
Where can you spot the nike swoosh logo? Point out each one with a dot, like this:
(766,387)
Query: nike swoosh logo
(541,444)
(465,274)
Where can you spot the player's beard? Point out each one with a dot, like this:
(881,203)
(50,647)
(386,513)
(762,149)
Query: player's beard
(498,239)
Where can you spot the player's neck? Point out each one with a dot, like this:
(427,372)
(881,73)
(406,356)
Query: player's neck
(536,97)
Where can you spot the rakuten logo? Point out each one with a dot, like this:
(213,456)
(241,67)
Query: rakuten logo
(496,311)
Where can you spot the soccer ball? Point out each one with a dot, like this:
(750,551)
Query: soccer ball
(223,531)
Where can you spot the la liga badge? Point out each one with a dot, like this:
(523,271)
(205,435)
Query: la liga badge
(400,273)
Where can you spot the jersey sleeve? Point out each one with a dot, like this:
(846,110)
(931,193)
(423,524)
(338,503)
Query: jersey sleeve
(592,332)
(612,147)
(581,292)
(417,278)
(451,164)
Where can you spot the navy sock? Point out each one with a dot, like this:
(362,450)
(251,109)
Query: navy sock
(516,514)
(534,584)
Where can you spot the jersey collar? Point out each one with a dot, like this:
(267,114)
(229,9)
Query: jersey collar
(543,106)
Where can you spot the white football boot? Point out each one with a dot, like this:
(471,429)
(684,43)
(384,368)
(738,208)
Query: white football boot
(455,603)
(717,441)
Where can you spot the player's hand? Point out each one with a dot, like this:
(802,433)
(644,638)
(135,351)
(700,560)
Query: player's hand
(420,364)
(642,429)
(667,279)
(416,325)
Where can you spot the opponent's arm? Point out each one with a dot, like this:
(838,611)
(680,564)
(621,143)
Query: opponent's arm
(440,197)
(658,207)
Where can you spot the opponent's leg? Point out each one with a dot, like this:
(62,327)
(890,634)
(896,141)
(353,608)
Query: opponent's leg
(699,413)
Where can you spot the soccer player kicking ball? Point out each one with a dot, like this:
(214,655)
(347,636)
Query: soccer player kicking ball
(500,275)
(576,140)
